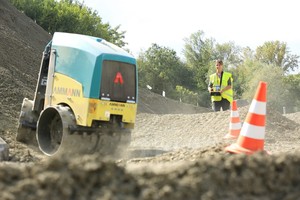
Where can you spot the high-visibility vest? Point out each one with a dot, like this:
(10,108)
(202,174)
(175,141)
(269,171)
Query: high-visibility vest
(215,80)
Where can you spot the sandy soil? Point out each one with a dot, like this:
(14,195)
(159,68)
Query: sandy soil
(177,150)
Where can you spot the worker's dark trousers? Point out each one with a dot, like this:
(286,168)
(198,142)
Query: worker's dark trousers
(217,105)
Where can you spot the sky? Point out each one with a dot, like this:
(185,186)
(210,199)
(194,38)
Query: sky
(167,22)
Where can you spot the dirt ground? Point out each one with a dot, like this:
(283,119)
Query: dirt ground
(177,150)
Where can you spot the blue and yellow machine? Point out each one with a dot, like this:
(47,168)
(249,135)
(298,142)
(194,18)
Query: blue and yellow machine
(86,97)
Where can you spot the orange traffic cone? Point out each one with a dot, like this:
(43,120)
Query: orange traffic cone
(251,138)
(235,123)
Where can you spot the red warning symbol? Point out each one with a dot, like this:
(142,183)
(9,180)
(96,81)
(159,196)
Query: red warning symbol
(119,78)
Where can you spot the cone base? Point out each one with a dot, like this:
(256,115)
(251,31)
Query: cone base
(229,136)
(237,149)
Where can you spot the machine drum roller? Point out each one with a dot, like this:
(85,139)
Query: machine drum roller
(53,128)
(58,133)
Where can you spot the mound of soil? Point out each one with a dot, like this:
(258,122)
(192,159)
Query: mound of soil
(150,102)
(21,45)
(177,150)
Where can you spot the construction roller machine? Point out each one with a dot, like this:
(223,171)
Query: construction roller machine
(85,99)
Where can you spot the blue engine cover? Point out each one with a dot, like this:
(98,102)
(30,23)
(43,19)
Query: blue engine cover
(81,58)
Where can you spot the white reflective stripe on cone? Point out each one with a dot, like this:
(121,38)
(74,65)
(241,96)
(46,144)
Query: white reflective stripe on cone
(234,114)
(258,107)
(252,131)
(235,126)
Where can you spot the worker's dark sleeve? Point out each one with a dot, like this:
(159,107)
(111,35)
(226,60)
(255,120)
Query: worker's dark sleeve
(229,82)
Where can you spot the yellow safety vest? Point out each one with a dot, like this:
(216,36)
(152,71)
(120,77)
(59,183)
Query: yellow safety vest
(215,80)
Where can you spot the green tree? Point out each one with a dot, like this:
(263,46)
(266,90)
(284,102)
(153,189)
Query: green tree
(198,52)
(229,53)
(292,99)
(162,69)
(242,75)
(69,16)
(252,72)
(247,54)
(186,96)
(277,53)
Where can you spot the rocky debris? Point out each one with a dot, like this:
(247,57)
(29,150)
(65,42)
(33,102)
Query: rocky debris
(294,117)
(217,176)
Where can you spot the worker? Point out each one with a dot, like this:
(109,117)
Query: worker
(220,88)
